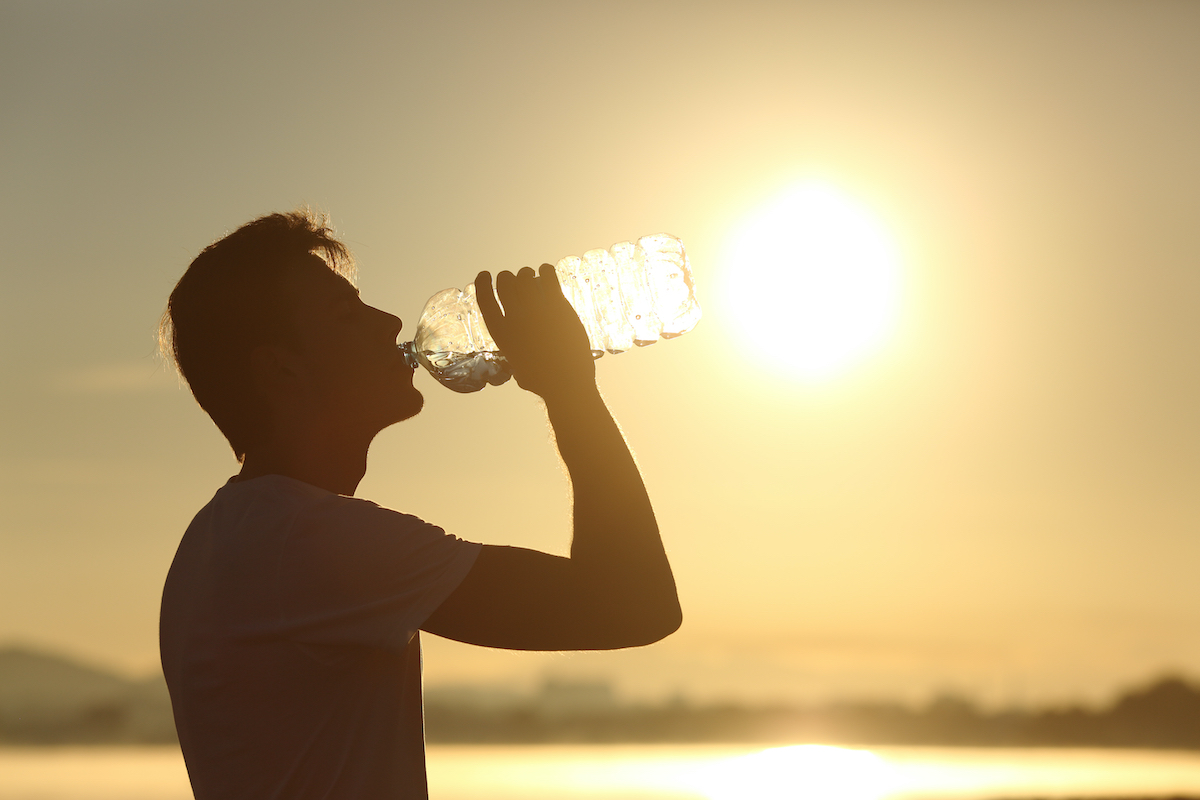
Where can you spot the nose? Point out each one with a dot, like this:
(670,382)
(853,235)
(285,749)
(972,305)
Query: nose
(391,323)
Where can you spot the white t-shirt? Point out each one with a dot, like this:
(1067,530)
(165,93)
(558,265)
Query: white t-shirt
(289,641)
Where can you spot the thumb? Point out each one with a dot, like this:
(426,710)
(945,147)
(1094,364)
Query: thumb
(485,296)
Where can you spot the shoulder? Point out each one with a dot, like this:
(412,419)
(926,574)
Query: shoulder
(340,546)
(277,495)
(269,495)
(324,525)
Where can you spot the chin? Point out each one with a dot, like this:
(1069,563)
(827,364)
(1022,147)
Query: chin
(412,406)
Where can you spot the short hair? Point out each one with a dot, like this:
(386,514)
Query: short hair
(232,299)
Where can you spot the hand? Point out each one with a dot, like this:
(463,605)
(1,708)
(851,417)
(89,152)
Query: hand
(538,331)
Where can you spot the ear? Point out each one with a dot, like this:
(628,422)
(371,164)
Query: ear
(278,373)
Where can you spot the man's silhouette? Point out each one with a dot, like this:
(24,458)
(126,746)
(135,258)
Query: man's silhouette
(290,618)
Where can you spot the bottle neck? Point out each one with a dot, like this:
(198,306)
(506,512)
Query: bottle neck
(410,357)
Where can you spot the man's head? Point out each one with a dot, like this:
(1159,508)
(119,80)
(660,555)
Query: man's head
(269,315)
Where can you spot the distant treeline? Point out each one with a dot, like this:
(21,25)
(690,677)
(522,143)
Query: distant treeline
(1165,714)
(50,700)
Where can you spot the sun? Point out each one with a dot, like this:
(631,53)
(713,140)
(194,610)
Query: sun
(813,283)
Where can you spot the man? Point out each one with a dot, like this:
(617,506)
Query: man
(290,618)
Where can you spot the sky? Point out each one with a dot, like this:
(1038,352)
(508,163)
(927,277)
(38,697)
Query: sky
(1000,499)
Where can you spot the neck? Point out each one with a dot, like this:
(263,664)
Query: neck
(333,463)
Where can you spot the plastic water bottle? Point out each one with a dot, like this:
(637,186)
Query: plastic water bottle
(630,295)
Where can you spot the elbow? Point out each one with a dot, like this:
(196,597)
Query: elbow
(672,619)
(671,623)
(654,627)
(664,615)
(637,615)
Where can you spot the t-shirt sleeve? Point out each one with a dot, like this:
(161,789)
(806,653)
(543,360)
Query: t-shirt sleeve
(352,572)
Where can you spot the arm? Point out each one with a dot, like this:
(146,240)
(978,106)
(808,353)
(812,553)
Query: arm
(616,589)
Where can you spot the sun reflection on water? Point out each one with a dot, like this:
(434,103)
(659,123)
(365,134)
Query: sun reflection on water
(801,771)
(663,772)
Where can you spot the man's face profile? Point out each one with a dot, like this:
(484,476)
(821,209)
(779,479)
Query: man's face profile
(345,351)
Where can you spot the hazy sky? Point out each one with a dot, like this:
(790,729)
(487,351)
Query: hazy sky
(1002,500)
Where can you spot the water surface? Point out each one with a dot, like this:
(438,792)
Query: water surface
(663,772)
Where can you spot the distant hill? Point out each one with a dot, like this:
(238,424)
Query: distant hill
(51,699)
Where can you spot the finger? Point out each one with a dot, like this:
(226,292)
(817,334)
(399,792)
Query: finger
(549,277)
(517,291)
(485,296)
(552,287)
(504,284)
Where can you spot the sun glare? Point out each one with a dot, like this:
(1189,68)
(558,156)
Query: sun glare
(804,771)
(813,281)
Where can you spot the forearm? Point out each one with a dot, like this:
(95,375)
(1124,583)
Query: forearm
(615,540)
